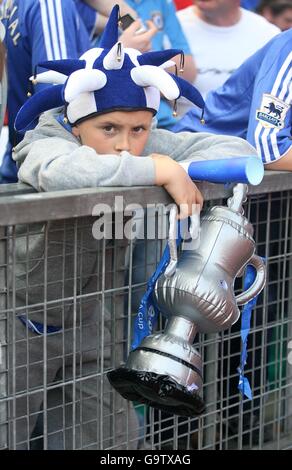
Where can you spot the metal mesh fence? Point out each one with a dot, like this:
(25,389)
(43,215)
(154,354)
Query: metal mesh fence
(67,303)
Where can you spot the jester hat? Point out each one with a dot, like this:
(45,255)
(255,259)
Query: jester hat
(105,79)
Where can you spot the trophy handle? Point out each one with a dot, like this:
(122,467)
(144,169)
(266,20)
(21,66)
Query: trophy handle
(172,236)
(258,283)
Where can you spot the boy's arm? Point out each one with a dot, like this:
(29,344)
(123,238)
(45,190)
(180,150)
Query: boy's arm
(53,164)
(196,146)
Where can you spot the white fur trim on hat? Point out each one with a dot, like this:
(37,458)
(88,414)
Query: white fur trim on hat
(167,64)
(84,80)
(111,61)
(149,75)
(51,76)
(152,97)
(91,55)
(82,106)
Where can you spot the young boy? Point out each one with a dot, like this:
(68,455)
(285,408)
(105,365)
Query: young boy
(102,137)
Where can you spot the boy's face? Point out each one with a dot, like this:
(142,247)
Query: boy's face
(114,132)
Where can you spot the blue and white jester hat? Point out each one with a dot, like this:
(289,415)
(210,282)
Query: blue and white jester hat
(104,79)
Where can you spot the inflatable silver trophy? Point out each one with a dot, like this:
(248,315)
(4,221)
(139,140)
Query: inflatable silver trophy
(165,371)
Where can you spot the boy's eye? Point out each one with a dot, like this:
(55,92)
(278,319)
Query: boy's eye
(109,128)
(138,129)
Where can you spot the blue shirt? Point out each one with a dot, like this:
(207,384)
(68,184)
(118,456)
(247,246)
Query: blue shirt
(254,103)
(169,35)
(88,16)
(36,30)
(163,15)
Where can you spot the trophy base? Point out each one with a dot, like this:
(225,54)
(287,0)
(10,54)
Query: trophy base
(156,390)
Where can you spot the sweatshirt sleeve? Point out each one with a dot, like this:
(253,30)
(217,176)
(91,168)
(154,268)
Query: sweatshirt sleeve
(53,164)
(197,146)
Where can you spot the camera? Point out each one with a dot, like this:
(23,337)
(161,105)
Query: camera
(126,21)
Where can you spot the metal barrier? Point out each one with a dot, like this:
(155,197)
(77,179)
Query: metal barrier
(53,388)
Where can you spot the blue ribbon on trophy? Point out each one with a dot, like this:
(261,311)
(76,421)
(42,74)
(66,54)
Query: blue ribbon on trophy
(243,384)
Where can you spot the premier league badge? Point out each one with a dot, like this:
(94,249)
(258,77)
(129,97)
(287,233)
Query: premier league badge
(157,19)
(272,112)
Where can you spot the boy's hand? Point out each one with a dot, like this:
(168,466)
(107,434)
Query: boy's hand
(141,41)
(178,184)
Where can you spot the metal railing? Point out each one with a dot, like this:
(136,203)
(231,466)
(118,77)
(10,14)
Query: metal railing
(53,388)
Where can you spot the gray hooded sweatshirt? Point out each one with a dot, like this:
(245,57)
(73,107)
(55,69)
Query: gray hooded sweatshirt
(51,158)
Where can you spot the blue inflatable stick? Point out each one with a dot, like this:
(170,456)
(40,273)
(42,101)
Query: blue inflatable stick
(249,170)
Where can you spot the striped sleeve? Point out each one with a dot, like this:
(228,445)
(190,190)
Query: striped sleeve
(52,25)
(55,31)
(88,16)
(270,131)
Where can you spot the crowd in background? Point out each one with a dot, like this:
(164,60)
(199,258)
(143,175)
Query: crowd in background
(216,36)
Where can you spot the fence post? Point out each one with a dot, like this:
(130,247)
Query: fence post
(3,342)
(288,410)
(210,390)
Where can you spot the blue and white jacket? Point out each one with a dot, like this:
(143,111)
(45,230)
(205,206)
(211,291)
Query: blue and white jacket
(254,103)
(36,30)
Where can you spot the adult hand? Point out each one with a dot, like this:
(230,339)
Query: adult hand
(140,41)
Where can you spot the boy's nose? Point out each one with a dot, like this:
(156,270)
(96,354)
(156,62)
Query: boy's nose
(123,143)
